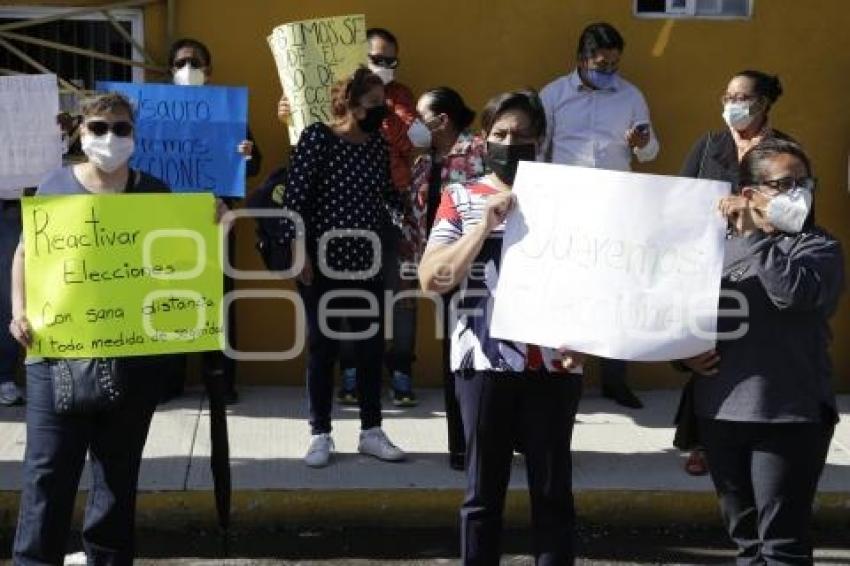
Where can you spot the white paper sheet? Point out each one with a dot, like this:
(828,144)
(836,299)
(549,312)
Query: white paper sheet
(30,140)
(615,264)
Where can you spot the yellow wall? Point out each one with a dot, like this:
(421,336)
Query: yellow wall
(482,47)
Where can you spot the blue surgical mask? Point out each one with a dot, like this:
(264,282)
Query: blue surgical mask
(601,79)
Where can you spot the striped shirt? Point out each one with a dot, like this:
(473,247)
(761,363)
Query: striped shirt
(472,347)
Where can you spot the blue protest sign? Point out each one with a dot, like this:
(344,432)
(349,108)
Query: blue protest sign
(187,135)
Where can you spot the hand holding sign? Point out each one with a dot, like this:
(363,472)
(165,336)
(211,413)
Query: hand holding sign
(121,275)
(189,136)
(311,55)
(618,265)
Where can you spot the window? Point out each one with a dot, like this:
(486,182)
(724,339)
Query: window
(91,31)
(708,9)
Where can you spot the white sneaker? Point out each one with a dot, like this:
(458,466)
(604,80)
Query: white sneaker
(76,559)
(319,453)
(374,442)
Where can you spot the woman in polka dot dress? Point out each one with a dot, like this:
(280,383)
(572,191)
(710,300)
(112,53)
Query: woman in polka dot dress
(339,183)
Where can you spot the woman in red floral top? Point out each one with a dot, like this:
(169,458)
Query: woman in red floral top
(453,155)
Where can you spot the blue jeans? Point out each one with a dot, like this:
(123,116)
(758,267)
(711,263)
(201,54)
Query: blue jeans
(53,462)
(10,234)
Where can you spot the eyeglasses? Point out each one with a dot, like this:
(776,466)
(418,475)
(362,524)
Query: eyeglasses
(194,62)
(382,61)
(785,184)
(99,128)
(726,98)
(433,122)
(604,66)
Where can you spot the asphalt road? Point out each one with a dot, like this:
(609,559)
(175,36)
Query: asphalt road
(360,547)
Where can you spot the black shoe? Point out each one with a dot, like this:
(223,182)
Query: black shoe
(347,397)
(402,398)
(622,395)
(457,461)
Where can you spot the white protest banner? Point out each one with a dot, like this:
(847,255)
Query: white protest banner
(30,140)
(615,264)
(311,55)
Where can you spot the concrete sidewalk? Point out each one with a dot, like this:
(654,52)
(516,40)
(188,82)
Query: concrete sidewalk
(625,468)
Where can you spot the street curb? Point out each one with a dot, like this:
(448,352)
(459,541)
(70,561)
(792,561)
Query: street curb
(420,508)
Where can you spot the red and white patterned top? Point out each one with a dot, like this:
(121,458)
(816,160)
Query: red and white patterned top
(472,347)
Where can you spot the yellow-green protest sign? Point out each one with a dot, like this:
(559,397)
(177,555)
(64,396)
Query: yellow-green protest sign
(311,55)
(122,275)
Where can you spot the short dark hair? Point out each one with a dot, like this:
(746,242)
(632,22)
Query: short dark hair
(765,84)
(108,102)
(600,35)
(193,44)
(524,100)
(383,33)
(347,91)
(750,168)
(445,100)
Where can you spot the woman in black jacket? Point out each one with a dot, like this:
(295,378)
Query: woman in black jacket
(747,102)
(764,401)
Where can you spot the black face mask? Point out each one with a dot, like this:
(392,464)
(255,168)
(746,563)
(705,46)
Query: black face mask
(503,159)
(374,117)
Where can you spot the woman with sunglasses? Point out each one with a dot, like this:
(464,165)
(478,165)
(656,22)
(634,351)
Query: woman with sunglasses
(749,97)
(57,445)
(764,400)
(339,183)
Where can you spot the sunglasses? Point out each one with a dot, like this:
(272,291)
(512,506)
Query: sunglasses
(194,62)
(386,62)
(101,127)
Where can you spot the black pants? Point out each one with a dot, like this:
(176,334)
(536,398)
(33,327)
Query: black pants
(539,410)
(612,373)
(766,476)
(215,363)
(324,349)
(10,235)
(454,423)
(402,347)
(53,462)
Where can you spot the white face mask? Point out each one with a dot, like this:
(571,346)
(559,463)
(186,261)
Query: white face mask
(787,212)
(738,114)
(187,75)
(419,134)
(109,152)
(386,75)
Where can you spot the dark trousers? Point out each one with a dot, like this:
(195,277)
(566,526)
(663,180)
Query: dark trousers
(766,476)
(324,350)
(612,372)
(402,351)
(538,410)
(454,423)
(402,346)
(10,234)
(53,462)
(215,363)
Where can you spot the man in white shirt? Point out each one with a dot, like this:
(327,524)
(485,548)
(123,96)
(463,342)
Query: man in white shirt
(596,118)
